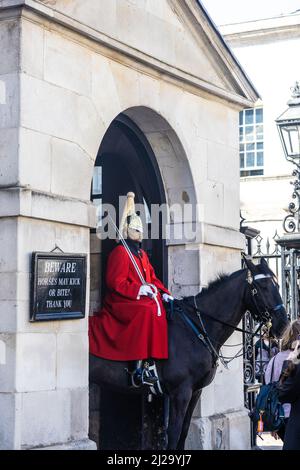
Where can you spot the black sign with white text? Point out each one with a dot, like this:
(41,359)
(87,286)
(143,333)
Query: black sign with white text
(58,286)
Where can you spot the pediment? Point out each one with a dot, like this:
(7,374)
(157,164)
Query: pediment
(175,32)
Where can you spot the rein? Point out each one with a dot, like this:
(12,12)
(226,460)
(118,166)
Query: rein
(263,318)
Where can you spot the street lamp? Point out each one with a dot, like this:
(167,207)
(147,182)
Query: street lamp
(288,124)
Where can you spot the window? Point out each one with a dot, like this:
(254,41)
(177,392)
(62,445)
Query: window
(251,142)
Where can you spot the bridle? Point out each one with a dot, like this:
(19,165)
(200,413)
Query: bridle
(261,315)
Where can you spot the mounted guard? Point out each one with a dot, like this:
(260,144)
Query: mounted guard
(198,328)
(132,324)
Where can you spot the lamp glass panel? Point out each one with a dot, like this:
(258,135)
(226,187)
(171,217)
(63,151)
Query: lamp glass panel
(291,138)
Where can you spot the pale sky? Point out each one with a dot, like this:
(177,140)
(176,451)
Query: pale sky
(235,11)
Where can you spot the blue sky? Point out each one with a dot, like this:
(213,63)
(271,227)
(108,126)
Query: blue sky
(235,11)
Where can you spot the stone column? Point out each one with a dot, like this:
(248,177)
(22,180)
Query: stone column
(10,278)
(43,365)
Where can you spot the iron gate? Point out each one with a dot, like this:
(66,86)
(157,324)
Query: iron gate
(254,363)
(283,257)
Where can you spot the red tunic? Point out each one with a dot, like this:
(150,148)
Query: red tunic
(128,328)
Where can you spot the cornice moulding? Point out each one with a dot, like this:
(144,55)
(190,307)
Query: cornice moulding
(261,31)
(42,14)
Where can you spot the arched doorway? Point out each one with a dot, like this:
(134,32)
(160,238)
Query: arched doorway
(125,162)
(140,149)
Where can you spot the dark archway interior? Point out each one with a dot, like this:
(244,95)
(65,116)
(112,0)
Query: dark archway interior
(128,164)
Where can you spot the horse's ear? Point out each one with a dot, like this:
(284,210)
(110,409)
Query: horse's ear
(248,262)
(264,263)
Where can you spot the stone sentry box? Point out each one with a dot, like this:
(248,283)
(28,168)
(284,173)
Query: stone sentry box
(65,74)
(58,286)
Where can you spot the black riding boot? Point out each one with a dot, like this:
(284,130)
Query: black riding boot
(140,374)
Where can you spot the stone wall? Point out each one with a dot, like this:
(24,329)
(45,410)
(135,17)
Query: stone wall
(59,91)
(158,29)
(9,276)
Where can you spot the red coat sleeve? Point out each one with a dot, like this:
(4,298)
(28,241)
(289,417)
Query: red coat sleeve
(154,279)
(117,275)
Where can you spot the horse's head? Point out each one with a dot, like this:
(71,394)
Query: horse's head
(263,298)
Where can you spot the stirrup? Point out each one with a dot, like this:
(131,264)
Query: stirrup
(148,375)
(139,378)
(149,380)
(142,376)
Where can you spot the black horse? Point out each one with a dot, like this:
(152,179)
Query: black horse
(215,312)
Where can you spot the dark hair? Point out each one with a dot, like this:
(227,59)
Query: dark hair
(292,361)
(290,335)
(287,371)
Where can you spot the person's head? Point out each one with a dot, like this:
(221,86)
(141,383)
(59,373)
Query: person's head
(134,228)
(293,360)
(131,225)
(265,332)
(290,335)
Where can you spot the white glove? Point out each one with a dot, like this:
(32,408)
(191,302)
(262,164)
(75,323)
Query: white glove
(167,297)
(145,290)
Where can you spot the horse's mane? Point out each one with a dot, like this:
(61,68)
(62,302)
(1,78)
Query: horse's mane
(221,277)
(215,284)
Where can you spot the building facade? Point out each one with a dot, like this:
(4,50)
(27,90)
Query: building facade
(267,49)
(77,80)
